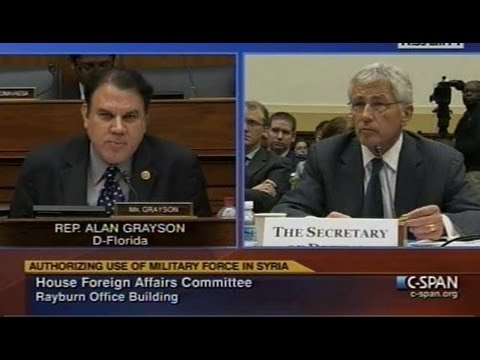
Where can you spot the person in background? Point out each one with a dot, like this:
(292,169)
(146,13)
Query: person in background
(301,152)
(467,134)
(319,129)
(266,174)
(84,66)
(337,126)
(300,148)
(116,160)
(384,171)
(281,134)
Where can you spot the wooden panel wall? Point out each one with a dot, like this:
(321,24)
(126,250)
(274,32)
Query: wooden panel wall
(136,62)
(207,127)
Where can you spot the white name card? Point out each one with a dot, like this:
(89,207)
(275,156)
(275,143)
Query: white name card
(314,232)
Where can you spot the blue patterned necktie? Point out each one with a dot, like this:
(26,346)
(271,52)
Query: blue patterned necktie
(111,192)
(373,202)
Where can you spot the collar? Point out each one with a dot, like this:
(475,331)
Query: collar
(391,157)
(252,153)
(98,166)
(285,153)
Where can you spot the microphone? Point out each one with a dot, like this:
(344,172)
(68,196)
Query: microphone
(127,178)
(467,238)
(193,88)
(379,154)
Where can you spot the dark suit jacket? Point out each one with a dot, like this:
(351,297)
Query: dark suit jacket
(294,160)
(429,173)
(266,165)
(467,138)
(57,175)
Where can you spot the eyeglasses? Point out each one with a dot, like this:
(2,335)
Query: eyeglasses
(377,107)
(89,67)
(252,123)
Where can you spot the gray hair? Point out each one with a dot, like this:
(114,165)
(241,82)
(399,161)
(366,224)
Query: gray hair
(399,79)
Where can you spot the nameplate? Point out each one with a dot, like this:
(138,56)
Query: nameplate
(163,209)
(316,232)
(17,93)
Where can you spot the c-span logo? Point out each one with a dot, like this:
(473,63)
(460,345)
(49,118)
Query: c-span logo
(429,286)
(421,46)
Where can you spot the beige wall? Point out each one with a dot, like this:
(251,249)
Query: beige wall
(313,87)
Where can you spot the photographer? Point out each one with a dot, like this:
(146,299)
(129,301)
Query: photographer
(467,133)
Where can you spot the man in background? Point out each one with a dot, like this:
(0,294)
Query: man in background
(383,171)
(84,66)
(266,174)
(319,130)
(467,132)
(281,134)
(116,161)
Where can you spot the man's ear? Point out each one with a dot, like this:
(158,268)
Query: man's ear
(84,112)
(407,114)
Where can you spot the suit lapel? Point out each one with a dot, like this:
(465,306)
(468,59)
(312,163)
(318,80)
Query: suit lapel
(349,184)
(409,176)
(73,179)
(256,164)
(143,173)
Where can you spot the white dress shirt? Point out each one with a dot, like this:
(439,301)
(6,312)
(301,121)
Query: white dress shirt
(388,181)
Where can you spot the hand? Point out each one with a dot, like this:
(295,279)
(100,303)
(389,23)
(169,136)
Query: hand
(337,215)
(426,223)
(267,187)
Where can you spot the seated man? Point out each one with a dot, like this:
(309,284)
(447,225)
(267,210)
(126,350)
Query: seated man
(267,174)
(381,170)
(84,66)
(116,160)
(281,134)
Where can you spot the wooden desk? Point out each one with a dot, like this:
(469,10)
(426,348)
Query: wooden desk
(199,232)
(206,126)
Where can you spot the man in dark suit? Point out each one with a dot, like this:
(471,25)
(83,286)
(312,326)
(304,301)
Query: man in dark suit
(267,175)
(84,66)
(116,161)
(382,171)
(467,132)
(281,134)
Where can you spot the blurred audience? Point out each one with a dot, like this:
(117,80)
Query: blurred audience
(319,130)
(301,148)
(336,126)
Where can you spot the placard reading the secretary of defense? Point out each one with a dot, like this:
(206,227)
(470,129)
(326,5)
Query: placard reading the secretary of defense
(330,232)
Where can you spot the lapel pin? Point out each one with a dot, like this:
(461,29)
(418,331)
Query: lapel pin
(145,175)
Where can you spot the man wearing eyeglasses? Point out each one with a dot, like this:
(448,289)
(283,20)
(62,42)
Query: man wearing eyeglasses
(379,170)
(84,66)
(266,174)
(116,160)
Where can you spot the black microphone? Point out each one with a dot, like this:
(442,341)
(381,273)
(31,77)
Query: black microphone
(193,87)
(128,180)
(379,154)
(467,238)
